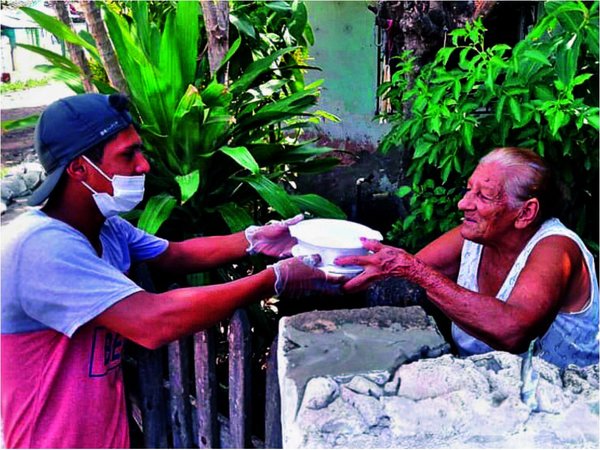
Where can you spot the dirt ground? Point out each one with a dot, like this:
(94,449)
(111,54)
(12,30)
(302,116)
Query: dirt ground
(17,145)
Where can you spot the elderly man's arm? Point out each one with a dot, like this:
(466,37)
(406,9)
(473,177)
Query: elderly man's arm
(443,254)
(540,291)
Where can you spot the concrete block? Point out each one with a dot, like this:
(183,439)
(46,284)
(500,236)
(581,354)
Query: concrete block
(380,388)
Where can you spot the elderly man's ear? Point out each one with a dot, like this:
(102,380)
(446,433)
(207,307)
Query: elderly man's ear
(528,213)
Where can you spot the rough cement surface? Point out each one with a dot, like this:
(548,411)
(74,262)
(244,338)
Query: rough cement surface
(321,349)
(440,402)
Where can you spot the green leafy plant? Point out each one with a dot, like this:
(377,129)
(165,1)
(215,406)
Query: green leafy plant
(221,153)
(541,94)
(22,85)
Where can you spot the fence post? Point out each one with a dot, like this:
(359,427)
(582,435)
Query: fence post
(273,437)
(206,388)
(239,379)
(179,393)
(150,370)
(152,400)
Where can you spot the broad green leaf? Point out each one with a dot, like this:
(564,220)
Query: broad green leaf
(54,58)
(232,50)
(139,12)
(456,89)
(157,210)
(318,206)
(427,209)
(72,80)
(537,56)
(327,115)
(403,191)
(570,14)
(188,185)
(317,165)
(243,25)
(444,54)
(137,70)
(270,87)
(87,37)
(515,108)
(185,129)
(215,131)
(243,157)
(556,121)
(169,65)
(59,29)
(216,94)
(421,148)
(190,99)
(187,34)
(467,133)
(566,60)
(278,6)
(19,124)
(544,93)
(256,69)
(593,117)
(305,152)
(236,218)
(273,194)
(592,38)
(299,21)
(580,79)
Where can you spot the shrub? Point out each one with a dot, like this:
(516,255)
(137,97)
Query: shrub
(541,94)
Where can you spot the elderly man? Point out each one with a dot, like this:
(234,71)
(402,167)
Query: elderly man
(67,303)
(510,273)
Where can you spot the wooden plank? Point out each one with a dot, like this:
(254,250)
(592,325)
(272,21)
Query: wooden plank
(273,438)
(152,403)
(179,394)
(150,371)
(206,388)
(239,379)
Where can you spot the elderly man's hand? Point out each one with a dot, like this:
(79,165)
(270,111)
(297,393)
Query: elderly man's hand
(386,261)
(298,277)
(273,239)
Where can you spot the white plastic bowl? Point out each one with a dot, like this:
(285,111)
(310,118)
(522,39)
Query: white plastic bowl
(331,238)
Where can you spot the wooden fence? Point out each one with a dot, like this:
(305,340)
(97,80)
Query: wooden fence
(172,392)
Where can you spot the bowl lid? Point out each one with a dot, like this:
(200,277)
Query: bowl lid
(332,233)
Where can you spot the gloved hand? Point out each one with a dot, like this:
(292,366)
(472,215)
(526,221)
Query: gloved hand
(298,277)
(273,239)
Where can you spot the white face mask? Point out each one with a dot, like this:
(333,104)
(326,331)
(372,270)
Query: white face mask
(128,192)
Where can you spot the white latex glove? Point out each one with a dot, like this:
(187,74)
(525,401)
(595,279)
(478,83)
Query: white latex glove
(272,239)
(298,277)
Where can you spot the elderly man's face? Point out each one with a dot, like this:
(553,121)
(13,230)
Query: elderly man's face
(487,216)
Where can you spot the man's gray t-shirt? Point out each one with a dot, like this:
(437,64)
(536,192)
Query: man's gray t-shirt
(52,278)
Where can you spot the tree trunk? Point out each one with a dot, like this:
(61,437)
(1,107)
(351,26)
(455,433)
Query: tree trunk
(216,20)
(76,53)
(93,18)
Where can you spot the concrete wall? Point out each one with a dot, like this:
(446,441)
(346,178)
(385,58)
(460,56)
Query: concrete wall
(345,50)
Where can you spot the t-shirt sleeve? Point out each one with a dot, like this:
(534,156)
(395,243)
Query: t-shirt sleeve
(142,245)
(63,283)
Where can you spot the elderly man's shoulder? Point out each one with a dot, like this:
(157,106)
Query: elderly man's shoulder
(557,246)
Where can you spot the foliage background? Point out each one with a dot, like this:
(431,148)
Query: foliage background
(541,94)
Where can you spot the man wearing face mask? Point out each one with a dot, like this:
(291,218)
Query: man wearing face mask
(67,303)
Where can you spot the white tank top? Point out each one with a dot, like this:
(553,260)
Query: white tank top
(572,338)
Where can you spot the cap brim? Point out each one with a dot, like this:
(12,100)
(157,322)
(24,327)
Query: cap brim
(45,189)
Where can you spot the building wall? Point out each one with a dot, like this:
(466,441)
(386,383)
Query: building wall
(346,51)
